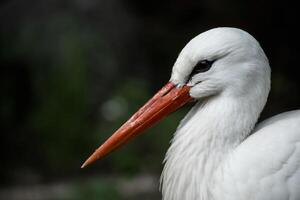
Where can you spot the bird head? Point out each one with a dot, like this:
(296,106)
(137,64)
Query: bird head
(226,61)
(218,62)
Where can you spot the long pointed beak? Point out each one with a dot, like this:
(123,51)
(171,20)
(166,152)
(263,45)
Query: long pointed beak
(164,102)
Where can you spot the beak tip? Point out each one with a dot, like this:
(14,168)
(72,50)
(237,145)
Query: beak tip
(89,161)
(98,153)
(83,166)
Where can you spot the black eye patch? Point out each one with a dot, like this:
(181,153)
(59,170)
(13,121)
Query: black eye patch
(201,66)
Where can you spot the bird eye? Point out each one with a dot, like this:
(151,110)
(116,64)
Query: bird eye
(201,66)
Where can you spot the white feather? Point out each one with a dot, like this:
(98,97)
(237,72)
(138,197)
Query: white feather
(212,156)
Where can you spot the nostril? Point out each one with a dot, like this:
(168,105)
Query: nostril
(166,92)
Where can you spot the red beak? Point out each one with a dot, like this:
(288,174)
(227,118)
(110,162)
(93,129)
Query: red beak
(164,102)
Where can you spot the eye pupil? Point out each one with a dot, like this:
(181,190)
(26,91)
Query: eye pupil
(201,66)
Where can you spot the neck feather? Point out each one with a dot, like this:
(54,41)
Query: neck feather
(204,138)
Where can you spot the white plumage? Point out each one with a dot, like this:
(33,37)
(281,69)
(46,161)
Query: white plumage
(217,152)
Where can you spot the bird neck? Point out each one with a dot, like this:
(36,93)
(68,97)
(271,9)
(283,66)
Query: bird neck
(203,140)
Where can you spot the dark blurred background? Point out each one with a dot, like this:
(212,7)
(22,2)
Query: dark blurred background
(73,71)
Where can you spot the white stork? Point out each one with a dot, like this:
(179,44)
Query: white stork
(218,153)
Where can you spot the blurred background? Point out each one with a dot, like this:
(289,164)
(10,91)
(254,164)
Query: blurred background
(72,71)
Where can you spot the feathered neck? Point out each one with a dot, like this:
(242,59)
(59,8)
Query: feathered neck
(202,142)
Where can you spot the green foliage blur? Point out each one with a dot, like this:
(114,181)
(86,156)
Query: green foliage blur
(73,71)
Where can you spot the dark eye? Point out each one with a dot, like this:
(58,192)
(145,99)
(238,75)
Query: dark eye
(201,66)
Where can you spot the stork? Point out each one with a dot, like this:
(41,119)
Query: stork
(218,152)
